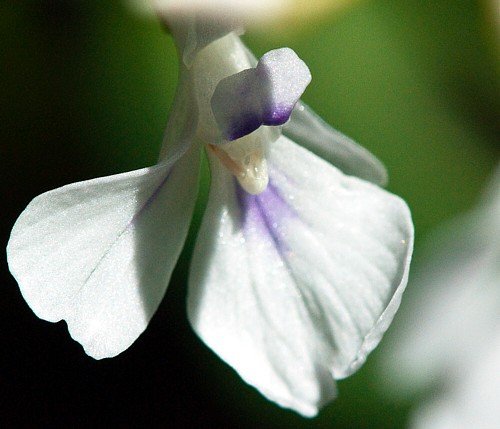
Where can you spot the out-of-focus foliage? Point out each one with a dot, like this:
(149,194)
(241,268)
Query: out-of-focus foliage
(85,91)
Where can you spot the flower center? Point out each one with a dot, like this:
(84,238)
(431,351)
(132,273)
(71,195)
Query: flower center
(235,99)
(245,158)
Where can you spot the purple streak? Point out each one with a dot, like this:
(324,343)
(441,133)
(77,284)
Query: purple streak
(265,213)
(250,121)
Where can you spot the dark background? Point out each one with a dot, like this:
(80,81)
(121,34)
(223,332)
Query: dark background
(85,90)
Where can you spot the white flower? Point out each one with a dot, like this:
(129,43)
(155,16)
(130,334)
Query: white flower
(299,265)
(451,338)
(256,12)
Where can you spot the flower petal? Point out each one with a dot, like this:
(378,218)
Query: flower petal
(295,286)
(262,14)
(99,253)
(310,131)
(193,34)
(264,95)
(226,9)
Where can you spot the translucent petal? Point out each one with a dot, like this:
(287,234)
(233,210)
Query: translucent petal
(99,253)
(295,286)
(194,32)
(221,59)
(310,131)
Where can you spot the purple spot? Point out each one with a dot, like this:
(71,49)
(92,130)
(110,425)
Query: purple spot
(277,114)
(248,122)
(265,213)
(264,95)
(242,126)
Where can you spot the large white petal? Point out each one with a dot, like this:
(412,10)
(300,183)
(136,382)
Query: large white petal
(295,286)
(99,253)
(311,132)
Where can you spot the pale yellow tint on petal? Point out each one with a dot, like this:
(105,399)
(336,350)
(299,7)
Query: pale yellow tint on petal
(258,14)
(301,13)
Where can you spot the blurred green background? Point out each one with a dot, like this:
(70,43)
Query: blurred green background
(85,91)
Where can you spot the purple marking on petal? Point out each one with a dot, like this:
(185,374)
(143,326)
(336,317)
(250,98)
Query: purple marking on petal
(265,213)
(249,122)
(264,95)
(277,115)
(244,125)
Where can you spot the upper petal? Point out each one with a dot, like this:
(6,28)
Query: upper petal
(99,253)
(310,131)
(295,286)
(193,33)
(264,95)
